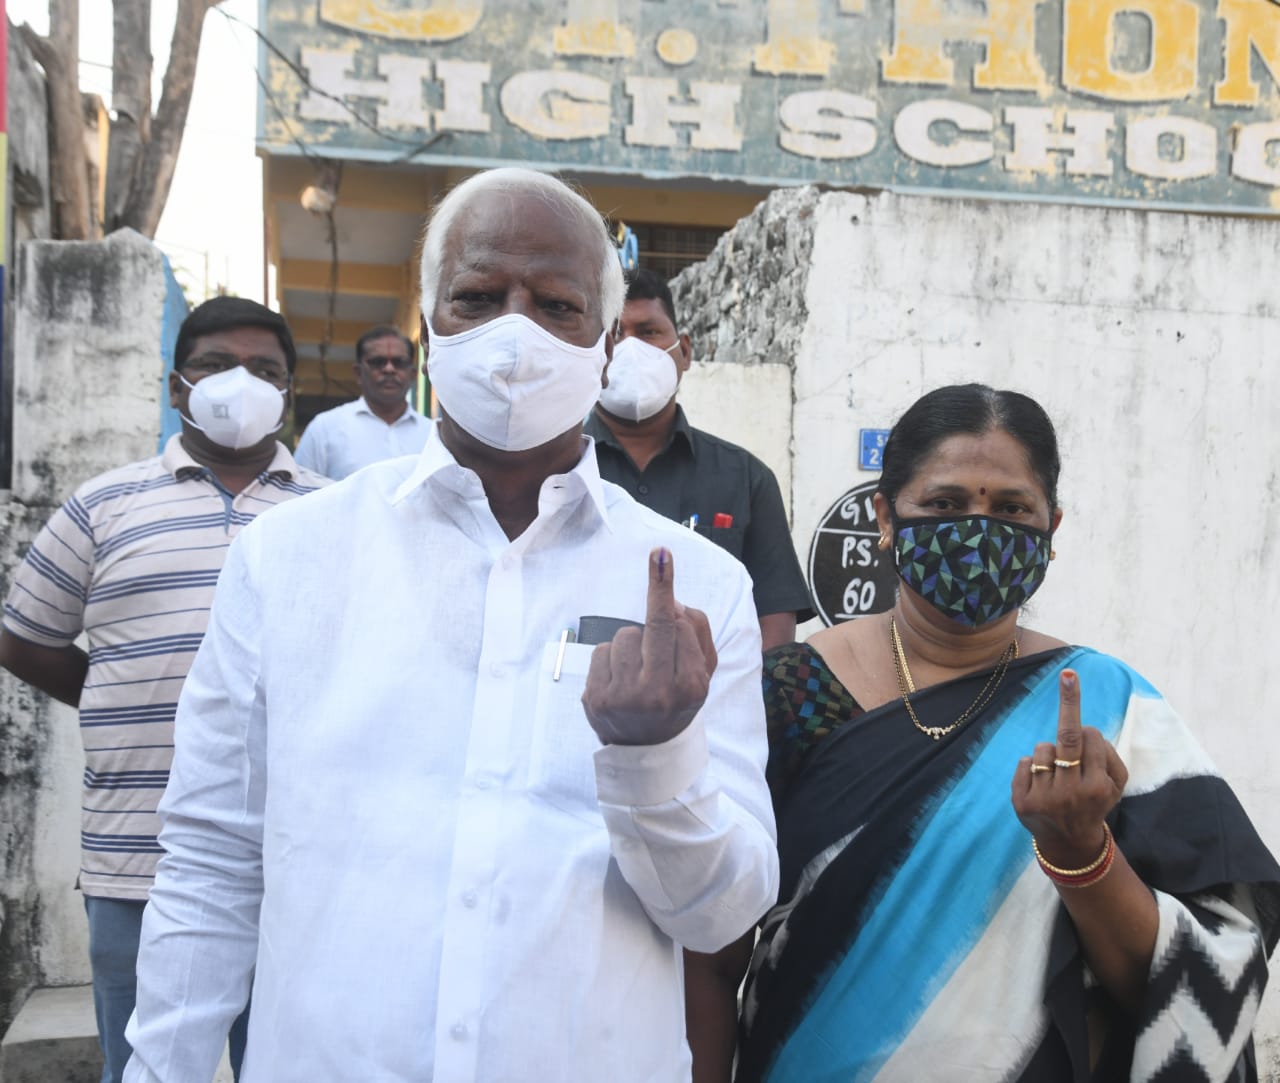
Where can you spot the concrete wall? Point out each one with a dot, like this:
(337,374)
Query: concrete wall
(27,193)
(87,388)
(1151,339)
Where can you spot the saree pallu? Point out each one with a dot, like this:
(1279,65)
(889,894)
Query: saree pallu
(915,936)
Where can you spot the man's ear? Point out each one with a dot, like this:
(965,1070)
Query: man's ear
(684,355)
(608,358)
(175,388)
(424,335)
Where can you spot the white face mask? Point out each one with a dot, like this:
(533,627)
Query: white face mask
(235,408)
(511,384)
(642,379)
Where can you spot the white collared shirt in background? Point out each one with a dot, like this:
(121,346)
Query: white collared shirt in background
(341,441)
(456,881)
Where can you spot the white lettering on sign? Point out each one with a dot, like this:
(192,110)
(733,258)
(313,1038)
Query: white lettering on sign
(557,104)
(397,91)
(463,82)
(1194,143)
(856,552)
(915,125)
(859,597)
(1081,137)
(711,112)
(827,124)
(857,508)
(1257,153)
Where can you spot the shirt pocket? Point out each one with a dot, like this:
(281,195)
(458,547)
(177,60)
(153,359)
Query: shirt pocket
(729,538)
(562,770)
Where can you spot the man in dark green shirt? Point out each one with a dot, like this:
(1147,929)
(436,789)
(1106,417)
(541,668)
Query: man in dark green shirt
(645,443)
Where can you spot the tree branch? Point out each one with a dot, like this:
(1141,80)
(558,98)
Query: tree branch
(130,100)
(154,176)
(59,55)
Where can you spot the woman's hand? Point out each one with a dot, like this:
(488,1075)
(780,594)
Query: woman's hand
(1064,806)
(1115,915)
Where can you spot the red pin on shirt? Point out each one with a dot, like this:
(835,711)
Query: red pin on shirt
(722,520)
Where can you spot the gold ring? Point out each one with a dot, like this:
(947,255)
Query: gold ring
(1038,768)
(1066,763)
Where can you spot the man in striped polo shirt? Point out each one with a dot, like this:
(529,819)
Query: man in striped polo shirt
(131,561)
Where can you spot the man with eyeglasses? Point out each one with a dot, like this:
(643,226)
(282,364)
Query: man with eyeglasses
(380,424)
(131,561)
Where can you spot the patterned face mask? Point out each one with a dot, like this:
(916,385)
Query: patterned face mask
(971,568)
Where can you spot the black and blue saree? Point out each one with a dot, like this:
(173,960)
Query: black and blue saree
(915,937)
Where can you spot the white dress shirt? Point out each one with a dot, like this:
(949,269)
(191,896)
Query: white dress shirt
(386,809)
(341,441)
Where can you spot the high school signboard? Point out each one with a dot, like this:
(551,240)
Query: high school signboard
(1159,102)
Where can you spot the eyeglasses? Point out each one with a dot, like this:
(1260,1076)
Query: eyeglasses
(265,368)
(399,361)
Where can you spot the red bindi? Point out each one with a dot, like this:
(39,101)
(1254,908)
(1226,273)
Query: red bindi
(982,492)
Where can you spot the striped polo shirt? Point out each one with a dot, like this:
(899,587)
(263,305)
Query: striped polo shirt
(131,560)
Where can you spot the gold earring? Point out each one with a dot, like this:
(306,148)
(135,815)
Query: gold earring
(1053,554)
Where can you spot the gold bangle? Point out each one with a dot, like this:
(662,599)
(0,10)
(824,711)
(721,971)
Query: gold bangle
(1072,874)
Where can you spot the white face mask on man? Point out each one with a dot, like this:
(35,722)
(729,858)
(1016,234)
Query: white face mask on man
(235,408)
(642,379)
(513,385)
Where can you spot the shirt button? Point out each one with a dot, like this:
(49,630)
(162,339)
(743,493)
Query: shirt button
(469,899)
(483,782)
(611,772)
(497,670)
(458,1032)
(508,562)
(643,490)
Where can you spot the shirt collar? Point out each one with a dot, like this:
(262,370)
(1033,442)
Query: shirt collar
(362,407)
(180,464)
(436,462)
(680,430)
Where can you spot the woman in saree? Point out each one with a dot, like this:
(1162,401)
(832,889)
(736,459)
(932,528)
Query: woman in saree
(1003,857)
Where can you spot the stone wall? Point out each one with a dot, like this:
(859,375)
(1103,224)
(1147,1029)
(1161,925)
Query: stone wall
(1151,339)
(87,391)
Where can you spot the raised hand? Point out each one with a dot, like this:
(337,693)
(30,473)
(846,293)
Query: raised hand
(646,685)
(1064,791)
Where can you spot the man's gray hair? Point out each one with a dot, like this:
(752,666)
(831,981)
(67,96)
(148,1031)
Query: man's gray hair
(515,180)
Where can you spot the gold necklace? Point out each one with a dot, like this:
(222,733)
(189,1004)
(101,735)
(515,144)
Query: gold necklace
(907,685)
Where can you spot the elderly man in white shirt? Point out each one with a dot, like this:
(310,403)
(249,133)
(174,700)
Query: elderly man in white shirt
(380,424)
(443,836)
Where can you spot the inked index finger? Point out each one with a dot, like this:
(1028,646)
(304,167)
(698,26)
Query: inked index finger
(658,643)
(1070,732)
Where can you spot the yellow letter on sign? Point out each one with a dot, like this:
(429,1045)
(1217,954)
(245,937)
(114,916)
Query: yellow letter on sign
(1088,45)
(443,20)
(1250,28)
(922,30)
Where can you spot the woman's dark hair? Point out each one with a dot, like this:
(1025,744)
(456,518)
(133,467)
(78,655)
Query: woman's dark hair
(223,314)
(974,409)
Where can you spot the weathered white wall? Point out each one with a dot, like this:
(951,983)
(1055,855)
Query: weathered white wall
(748,406)
(1153,340)
(86,392)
